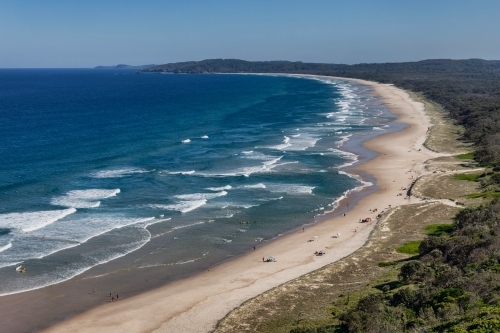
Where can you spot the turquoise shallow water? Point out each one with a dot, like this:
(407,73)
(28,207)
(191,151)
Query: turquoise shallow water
(102,164)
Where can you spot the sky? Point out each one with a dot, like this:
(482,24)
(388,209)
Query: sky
(76,34)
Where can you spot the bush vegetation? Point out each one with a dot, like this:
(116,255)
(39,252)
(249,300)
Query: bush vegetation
(452,286)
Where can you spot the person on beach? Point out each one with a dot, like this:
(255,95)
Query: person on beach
(116,296)
(263,259)
(344,214)
(254,248)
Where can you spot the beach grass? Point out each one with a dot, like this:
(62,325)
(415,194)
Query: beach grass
(438,229)
(448,186)
(484,195)
(472,177)
(409,248)
(466,156)
(443,136)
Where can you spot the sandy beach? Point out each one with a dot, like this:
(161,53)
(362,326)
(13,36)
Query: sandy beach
(196,304)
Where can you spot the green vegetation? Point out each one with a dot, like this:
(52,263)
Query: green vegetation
(467,176)
(387,263)
(438,229)
(454,286)
(488,194)
(409,248)
(468,156)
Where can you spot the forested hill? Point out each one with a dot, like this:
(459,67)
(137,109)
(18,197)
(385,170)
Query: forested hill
(429,67)
(468,89)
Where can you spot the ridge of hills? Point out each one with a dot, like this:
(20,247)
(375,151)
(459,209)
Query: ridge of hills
(431,66)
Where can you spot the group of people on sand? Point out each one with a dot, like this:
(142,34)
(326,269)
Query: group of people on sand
(111,297)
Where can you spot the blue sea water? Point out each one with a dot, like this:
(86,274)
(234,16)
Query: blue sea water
(102,164)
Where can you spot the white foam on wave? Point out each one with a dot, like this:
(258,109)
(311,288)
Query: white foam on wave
(204,137)
(266,166)
(225,205)
(292,189)
(226,214)
(6,247)
(189,202)
(343,140)
(117,173)
(61,236)
(259,156)
(186,141)
(187,225)
(31,221)
(220,240)
(155,221)
(63,273)
(364,184)
(84,198)
(190,172)
(270,199)
(272,161)
(217,189)
(259,185)
(296,142)
(179,227)
(183,207)
(345,154)
(93,226)
(200,196)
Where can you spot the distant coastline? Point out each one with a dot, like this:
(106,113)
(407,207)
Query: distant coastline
(123,66)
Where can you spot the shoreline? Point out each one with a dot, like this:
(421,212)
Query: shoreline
(195,304)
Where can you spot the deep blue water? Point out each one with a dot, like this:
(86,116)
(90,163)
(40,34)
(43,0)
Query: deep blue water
(98,164)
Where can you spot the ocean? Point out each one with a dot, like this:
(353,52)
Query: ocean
(107,170)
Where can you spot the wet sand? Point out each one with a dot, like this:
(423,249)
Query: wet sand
(196,303)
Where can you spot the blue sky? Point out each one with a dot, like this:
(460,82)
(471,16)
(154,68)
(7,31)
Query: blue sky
(88,33)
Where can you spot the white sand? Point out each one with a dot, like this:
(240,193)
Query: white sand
(196,304)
